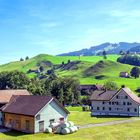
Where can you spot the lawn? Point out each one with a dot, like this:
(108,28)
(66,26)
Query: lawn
(128,131)
(81,118)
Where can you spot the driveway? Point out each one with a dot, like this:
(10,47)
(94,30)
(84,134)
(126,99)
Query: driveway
(108,123)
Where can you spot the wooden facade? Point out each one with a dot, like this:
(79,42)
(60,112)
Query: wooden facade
(19,122)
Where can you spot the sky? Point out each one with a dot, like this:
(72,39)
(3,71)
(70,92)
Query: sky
(31,27)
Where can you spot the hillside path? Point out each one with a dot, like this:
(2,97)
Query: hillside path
(108,123)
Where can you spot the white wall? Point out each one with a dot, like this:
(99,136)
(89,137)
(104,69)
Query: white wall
(50,111)
(120,109)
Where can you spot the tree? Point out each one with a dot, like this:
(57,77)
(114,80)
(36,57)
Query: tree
(26,58)
(135,72)
(37,87)
(66,89)
(109,85)
(68,61)
(41,68)
(21,59)
(121,52)
(63,63)
(104,55)
(13,80)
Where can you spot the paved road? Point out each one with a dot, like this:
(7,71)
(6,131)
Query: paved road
(109,123)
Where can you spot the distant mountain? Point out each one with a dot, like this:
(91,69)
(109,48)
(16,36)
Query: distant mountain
(135,49)
(110,48)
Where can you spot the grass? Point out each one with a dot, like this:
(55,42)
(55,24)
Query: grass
(81,118)
(109,72)
(125,131)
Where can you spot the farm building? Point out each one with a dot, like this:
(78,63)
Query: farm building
(124,74)
(33,114)
(5,96)
(90,88)
(115,103)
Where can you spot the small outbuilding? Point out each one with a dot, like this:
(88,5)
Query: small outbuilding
(124,74)
(33,114)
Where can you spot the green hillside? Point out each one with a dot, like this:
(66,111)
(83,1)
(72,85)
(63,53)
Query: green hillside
(88,69)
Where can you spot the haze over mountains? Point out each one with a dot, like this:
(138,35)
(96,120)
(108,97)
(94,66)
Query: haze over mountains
(110,48)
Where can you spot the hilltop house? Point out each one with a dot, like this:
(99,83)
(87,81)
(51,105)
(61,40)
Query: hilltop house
(33,114)
(115,103)
(5,96)
(124,74)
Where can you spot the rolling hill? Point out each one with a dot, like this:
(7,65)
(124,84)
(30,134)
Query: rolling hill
(110,48)
(88,69)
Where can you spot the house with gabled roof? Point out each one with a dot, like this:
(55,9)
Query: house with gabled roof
(33,114)
(121,102)
(5,96)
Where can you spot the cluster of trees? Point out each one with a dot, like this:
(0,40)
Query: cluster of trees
(26,58)
(129,59)
(66,89)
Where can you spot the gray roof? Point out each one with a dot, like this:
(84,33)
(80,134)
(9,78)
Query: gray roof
(108,95)
(103,95)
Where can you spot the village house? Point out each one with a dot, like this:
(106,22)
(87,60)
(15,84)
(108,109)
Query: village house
(33,114)
(124,74)
(5,96)
(90,88)
(115,103)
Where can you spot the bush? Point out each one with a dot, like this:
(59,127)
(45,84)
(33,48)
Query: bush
(111,85)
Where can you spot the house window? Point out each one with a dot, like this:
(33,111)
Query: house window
(38,117)
(135,109)
(128,103)
(117,96)
(98,108)
(123,103)
(52,121)
(61,119)
(110,103)
(126,97)
(103,102)
(27,123)
(117,103)
(128,109)
(103,108)
(109,108)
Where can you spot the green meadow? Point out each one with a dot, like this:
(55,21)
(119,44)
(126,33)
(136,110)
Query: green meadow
(88,71)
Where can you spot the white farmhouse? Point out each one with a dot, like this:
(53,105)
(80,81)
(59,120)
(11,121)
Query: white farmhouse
(115,103)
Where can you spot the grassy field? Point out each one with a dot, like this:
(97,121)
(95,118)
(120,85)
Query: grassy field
(109,71)
(128,131)
(81,118)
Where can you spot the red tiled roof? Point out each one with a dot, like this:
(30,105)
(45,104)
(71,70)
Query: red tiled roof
(5,95)
(28,105)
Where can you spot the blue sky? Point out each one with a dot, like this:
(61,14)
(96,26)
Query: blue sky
(31,27)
